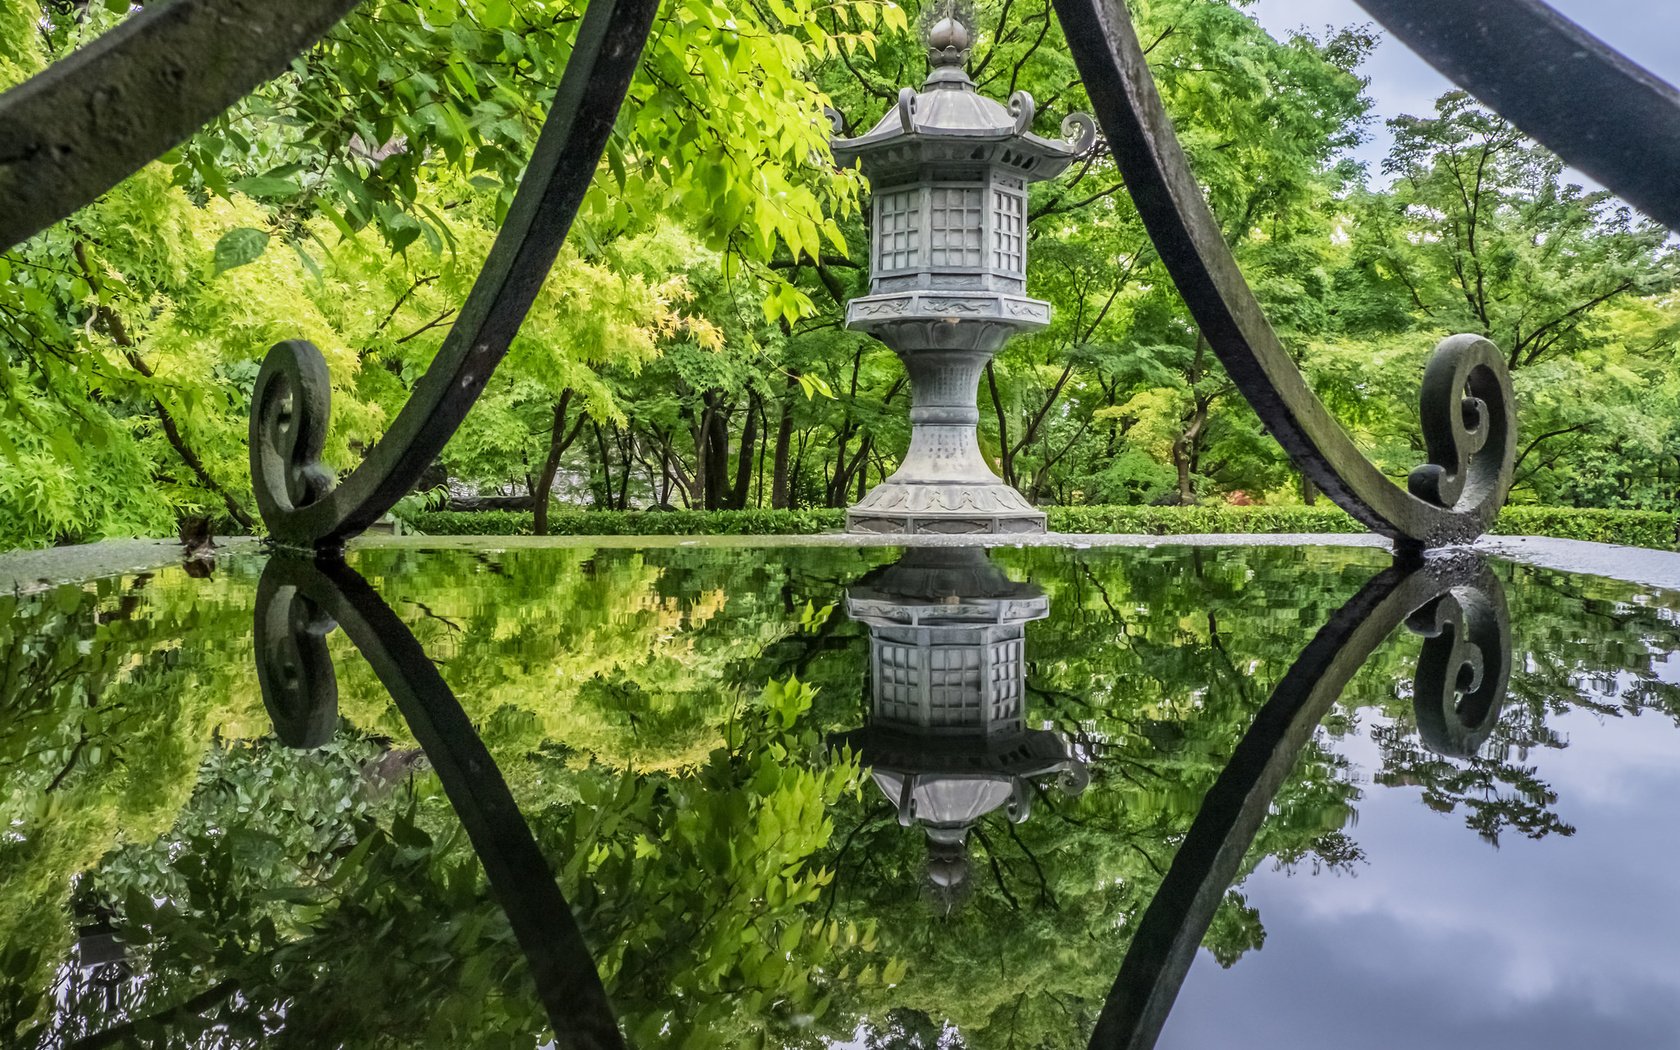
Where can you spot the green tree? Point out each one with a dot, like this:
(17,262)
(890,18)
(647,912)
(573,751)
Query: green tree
(1483,233)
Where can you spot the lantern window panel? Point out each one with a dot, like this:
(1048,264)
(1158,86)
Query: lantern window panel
(955,686)
(898,233)
(956,228)
(899,679)
(1007,672)
(1008,232)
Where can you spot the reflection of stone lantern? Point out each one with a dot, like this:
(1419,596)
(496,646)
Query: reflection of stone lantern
(946,739)
(948,169)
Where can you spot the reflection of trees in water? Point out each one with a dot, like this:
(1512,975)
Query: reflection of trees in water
(1152,664)
(1496,793)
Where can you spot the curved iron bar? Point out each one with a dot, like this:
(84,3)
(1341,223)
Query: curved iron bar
(84,124)
(290,403)
(1468,416)
(1462,673)
(1578,96)
(299,602)
(294,666)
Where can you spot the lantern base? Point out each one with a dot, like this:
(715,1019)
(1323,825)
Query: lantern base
(944,508)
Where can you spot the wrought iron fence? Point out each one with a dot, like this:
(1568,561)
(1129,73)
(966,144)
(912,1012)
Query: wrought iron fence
(75,130)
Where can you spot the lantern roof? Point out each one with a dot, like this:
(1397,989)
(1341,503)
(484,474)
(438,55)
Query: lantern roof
(949,110)
(944,586)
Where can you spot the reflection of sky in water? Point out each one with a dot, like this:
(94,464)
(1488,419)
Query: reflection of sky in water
(1443,941)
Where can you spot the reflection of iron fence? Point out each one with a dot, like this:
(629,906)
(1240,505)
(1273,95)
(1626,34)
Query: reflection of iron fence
(299,602)
(75,130)
(1464,668)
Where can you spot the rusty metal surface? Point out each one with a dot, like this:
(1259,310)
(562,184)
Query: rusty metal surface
(85,123)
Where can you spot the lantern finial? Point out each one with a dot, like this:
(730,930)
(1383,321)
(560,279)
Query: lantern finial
(948,39)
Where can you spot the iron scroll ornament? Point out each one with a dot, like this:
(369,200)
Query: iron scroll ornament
(299,602)
(290,404)
(1468,418)
(1458,605)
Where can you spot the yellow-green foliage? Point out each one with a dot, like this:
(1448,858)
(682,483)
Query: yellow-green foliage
(605,657)
(19,55)
(149,297)
(127,319)
(108,711)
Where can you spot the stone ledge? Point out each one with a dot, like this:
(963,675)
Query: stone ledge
(25,572)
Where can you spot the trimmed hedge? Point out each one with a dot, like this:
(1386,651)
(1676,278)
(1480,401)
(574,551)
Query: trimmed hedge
(1177,521)
(1631,528)
(1634,528)
(630,523)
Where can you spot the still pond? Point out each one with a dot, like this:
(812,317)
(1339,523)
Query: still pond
(823,796)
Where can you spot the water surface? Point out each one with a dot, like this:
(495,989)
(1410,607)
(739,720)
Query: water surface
(820,796)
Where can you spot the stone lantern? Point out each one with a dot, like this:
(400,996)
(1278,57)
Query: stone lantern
(946,740)
(948,169)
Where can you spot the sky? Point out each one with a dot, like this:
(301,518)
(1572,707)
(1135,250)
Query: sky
(1440,941)
(1648,31)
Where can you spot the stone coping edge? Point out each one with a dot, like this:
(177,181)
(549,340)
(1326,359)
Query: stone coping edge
(27,571)
(34,570)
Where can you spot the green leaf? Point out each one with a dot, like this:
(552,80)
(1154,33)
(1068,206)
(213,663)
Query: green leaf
(814,386)
(268,187)
(309,263)
(239,247)
(401,230)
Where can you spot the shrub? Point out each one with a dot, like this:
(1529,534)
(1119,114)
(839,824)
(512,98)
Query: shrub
(1632,528)
(631,523)
(1177,521)
(1635,528)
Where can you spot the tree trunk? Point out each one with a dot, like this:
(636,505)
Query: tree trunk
(835,494)
(744,461)
(1185,451)
(629,464)
(798,471)
(758,471)
(1185,446)
(558,440)
(715,437)
(784,440)
(602,487)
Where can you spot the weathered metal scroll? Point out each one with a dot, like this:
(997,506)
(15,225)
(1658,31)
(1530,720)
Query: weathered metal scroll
(1459,608)
(1468,420)
(290,405)
(300,601)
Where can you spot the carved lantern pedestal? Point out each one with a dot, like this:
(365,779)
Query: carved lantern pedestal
(949,170)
